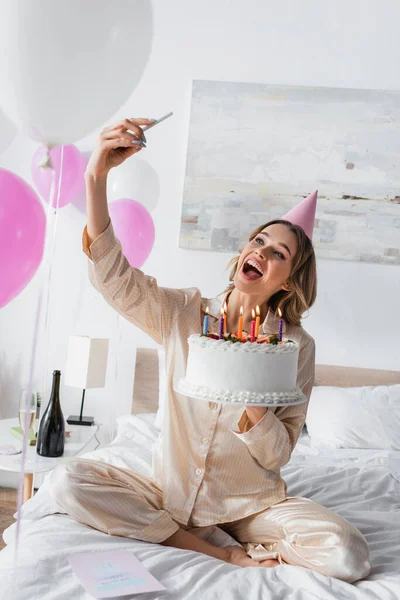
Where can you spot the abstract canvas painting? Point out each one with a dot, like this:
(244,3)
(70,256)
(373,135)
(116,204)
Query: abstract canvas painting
(255,150)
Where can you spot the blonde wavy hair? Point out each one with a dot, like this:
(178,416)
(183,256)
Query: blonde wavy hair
(302,280)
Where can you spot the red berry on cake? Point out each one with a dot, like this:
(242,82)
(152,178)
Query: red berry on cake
(213,336)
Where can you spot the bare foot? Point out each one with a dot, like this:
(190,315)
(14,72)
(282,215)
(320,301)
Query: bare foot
(238,556)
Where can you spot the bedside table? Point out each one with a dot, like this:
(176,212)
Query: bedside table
(79,438)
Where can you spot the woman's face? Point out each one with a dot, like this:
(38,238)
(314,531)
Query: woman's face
(265,263)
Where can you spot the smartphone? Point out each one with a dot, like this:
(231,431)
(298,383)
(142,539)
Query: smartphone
(146,127)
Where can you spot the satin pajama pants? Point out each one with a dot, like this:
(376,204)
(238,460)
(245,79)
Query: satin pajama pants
(296,531)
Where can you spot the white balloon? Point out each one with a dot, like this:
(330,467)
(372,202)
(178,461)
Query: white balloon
(68,66)
(7,132)
(134,179)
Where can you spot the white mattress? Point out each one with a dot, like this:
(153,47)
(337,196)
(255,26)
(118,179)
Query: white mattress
(361,485)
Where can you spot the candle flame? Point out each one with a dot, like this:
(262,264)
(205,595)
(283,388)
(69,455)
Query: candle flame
(280,312)
(258,310)
(241,311)
(222,311)
(253,314)
(225,307)
(207,310)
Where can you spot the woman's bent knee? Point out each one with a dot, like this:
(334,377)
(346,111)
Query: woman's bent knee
(358,558)
(65,480)
(352,558)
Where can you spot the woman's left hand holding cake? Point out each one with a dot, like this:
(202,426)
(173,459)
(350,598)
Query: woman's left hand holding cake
(255,414)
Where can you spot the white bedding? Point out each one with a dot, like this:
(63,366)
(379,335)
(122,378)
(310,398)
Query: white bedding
(361,485)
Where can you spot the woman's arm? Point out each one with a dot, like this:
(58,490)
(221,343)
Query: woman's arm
(133,294)
(96,203)
(272,439)
(114,145)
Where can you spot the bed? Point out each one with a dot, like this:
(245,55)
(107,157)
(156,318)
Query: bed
(362,485)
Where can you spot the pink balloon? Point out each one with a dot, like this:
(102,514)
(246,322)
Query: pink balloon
(70,177)
(22,235)
(134,228)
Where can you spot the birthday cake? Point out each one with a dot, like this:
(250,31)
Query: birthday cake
(229,370)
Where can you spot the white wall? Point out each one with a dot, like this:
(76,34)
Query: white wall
(340,44)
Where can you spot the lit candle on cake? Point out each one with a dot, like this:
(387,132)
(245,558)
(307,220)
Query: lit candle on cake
(253,326)
(280,325)
(205,323)
(225,313)
(240,325)
(221,325)
(257,321)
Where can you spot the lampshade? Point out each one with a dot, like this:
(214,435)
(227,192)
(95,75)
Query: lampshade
(86,362)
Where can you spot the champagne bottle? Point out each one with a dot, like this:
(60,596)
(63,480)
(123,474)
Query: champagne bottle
(51,436)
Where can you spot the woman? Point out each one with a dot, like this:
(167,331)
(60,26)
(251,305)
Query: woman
(214,464)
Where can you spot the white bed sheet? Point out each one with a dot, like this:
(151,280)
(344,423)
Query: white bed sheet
(361,485)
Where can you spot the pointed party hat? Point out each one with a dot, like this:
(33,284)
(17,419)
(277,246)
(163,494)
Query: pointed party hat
(304,214)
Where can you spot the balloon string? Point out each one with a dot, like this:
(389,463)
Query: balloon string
(53,239)
(119,337)
(27,423)
(44,293)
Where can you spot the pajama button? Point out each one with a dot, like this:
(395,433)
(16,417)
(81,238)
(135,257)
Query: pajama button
(205,440)
(199,471)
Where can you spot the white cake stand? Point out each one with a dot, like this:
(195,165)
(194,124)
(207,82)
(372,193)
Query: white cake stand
(240,397)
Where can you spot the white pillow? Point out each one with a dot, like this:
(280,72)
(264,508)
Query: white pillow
(363,417)
(162,389)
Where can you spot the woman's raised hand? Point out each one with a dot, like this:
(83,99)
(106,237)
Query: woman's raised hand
(115,144)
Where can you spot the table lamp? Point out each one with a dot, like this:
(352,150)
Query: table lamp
(86,368)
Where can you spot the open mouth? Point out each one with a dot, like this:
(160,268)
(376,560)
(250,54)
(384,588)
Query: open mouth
(252,269)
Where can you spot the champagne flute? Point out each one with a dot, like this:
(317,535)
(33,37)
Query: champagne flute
(27,412)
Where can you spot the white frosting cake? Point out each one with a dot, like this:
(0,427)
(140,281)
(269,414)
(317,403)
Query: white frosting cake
(248,373)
